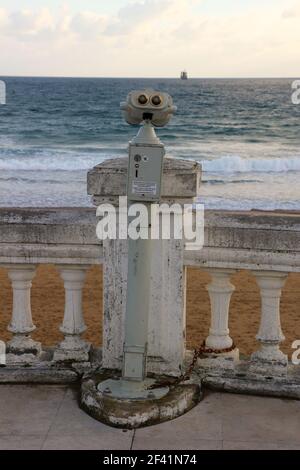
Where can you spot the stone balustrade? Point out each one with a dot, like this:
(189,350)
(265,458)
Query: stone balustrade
(267,244)
(67,239)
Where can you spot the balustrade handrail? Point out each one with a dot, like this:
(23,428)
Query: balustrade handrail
(254,240)
(240,240)
(49,235)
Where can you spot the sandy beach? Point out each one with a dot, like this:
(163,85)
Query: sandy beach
(48,307)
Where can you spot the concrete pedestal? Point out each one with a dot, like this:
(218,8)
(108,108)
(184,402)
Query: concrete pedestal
(166,345)
(131,414)
(108,400)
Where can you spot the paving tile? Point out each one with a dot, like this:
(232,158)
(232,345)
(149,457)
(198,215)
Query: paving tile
(28,409)
(200,426)
(88,441)
(241,445)
(12,442)
(168,443)
(48,417)
(288,446)
(260,419)
(72,428)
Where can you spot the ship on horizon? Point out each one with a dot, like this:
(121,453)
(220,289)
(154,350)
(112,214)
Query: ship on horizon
(184,75)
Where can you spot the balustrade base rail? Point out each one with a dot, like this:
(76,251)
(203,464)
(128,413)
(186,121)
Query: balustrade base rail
(241,380)
(45,370)
(238,378)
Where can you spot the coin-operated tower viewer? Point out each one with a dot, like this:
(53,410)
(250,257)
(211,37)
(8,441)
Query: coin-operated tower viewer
(145,169)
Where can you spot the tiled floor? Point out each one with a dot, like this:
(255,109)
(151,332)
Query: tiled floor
(48,417)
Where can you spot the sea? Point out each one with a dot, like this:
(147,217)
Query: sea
(244,132)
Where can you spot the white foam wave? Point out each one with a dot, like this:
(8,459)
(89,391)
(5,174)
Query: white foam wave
(73,162)
(236,164)
(69,163)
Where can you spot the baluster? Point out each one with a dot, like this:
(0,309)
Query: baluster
(73,347)
(269,359)
(21,348)
(220,291)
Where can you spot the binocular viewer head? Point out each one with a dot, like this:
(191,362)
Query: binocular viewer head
(148,105)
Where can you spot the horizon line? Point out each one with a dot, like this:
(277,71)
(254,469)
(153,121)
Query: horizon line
(152,78)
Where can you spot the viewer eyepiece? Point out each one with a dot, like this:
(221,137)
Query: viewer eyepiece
(143,99)
(156,100)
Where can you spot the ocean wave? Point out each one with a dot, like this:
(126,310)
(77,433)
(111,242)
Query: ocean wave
(244,204)
(41,180)
(67,163)
(228,181)
(70,161)
(236,164)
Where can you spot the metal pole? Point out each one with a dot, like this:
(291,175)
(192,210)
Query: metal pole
(137,307)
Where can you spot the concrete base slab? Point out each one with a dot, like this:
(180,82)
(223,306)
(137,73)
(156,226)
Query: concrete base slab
(268,368)
(222,361)
(264,386)
(21,349)
(243,380)
(45,371)
(131,390)
(23,359)
(62,354)
(40,373)
(131,414)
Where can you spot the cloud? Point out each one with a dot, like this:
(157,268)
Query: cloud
(3,18)
(26,24)
(152,38)
(88,24)
(292,12)
(136,15)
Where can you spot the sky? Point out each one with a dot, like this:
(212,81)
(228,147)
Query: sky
(150,38)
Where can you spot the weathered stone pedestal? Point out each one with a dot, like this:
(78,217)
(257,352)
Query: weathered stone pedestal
(166,346)
(166,333)
(136,413)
